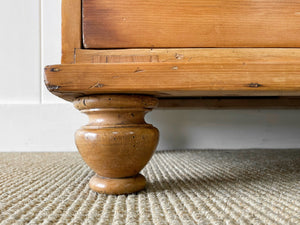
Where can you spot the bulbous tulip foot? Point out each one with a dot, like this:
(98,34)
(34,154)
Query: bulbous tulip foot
(116,143)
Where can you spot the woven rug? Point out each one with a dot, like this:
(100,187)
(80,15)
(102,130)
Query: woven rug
(184,187)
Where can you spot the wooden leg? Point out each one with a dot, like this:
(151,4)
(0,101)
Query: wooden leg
(117,142)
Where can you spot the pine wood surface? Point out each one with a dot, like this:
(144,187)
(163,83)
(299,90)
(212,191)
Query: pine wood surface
(117,142)
(190,23)
(175,79)
(190,55)
(72,52)
(71,29)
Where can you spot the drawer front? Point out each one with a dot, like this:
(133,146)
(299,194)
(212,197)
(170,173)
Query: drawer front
(190,23)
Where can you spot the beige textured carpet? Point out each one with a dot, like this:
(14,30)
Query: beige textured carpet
(185,187)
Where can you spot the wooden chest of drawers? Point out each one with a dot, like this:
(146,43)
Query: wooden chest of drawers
(120,58)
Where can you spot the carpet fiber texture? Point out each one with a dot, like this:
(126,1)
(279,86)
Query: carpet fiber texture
(184,187)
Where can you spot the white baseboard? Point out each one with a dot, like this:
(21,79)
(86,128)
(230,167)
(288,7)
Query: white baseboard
(39,127)
(50,127)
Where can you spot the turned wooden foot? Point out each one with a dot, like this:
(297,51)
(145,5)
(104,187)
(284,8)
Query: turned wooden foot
(117,142)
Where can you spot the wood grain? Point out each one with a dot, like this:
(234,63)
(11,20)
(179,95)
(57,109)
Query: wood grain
(117,142)
(176,79)
(71,29)
(190,55)
(190,23)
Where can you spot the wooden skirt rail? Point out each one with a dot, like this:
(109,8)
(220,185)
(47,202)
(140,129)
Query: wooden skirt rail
(176,79)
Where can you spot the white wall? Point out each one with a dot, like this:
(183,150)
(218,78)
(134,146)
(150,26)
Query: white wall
(34,120)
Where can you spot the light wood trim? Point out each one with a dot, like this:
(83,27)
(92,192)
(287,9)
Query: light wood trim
(191,23)
(70,29)
(176,79)
(230,103)
(189,55)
